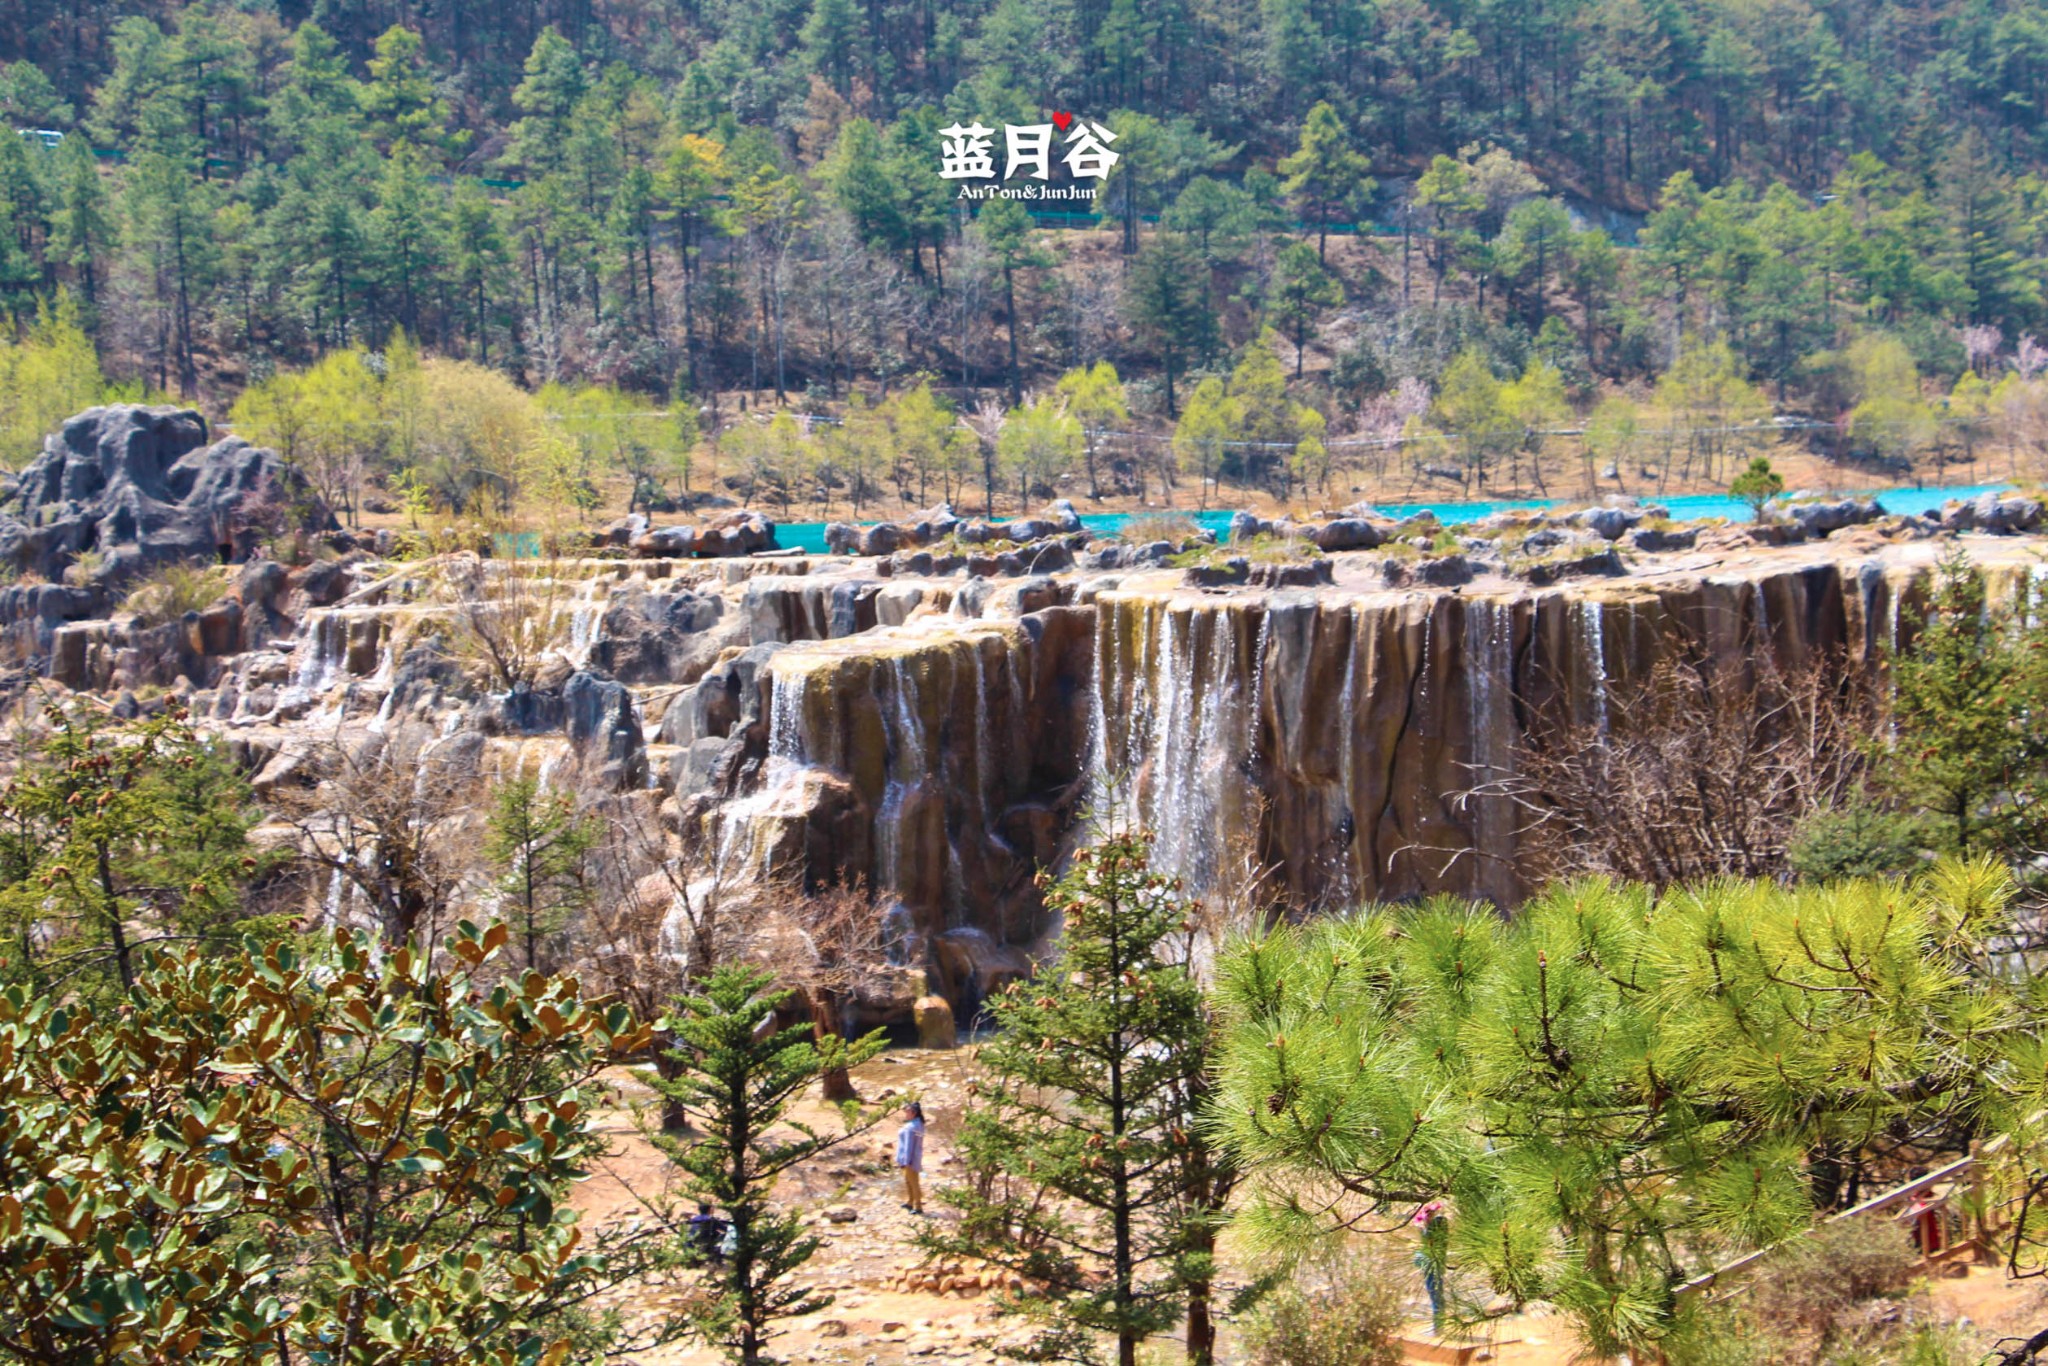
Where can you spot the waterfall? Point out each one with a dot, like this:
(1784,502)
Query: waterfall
(786,716)
(1188,735)
(788,755)
(1347,719)
(586,619)
(906,758)
(1490,673)
(982,748)
(1594,632)
(323,649)
(1256,699)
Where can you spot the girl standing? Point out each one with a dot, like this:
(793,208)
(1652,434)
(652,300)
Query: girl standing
(910,1155)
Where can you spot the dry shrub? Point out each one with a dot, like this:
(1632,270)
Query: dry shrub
(1841,1295)
(1343,1308)
(1172,527)
(507,615)
(172,590)
(1696,774)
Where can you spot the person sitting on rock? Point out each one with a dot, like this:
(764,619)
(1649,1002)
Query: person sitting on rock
(910,1155)
(706,1234)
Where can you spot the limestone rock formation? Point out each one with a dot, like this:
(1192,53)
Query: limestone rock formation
(931,721)
(1991,512)
(730,533)
(140,486)
(603,727)
(935,1026)
(1820,518)
(941,523)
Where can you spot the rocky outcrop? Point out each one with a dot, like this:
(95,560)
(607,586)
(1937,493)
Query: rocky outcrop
(1991,512)
(1821,518)
(661,637)
(1346,735)
(941,523)
(1342,533)
(138,486)
(925,760)
(603,728)
(730,533)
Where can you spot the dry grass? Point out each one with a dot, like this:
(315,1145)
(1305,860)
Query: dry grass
(172,590)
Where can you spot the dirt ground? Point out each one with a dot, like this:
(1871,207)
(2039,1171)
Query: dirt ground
(868,1247)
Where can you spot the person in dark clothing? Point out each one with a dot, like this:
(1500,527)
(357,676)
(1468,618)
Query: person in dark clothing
(707,1232)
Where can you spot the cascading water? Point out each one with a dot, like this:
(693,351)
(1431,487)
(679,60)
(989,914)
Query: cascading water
(738,845)
(323,650)
(1176,766)
(906,768)
(1594,634)
(1489,649)
(586,621)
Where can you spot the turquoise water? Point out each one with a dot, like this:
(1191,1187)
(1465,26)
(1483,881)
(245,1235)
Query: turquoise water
(810,536)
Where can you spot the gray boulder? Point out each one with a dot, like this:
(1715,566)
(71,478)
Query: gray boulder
(1444,571)
(1245,525)
(1603,563)
(140,486)
(1346,533)
(1821,518)
(1654,540)
(651,637)
(1607,522)
(604,729)
(728,534)
(725,697)
(1990,512)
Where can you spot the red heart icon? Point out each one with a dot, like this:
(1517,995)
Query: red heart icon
(1063,118)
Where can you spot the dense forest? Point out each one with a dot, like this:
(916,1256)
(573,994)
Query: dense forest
(711,198)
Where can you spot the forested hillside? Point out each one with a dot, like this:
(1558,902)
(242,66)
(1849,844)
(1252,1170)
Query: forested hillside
(668,198)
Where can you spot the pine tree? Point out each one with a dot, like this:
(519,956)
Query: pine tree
(547,97)
(128,837)
(81,233)
(736,1078)
(539,842)
(1169,305)
(1326,176)
(409,235)
(1084,1173)
(1963,747)
(1617,1091)
(1302,289)
(400,100)
(1757,486)
(1006,226)
(829,37)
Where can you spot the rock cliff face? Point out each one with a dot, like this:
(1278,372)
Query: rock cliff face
(937,762)
(1341,737)
(1334,733)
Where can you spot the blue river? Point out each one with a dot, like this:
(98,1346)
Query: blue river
(810,536)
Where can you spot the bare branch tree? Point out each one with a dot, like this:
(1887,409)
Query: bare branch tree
(838,930)
(385,817)
(507,615)
(665,912)
(1693,774)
